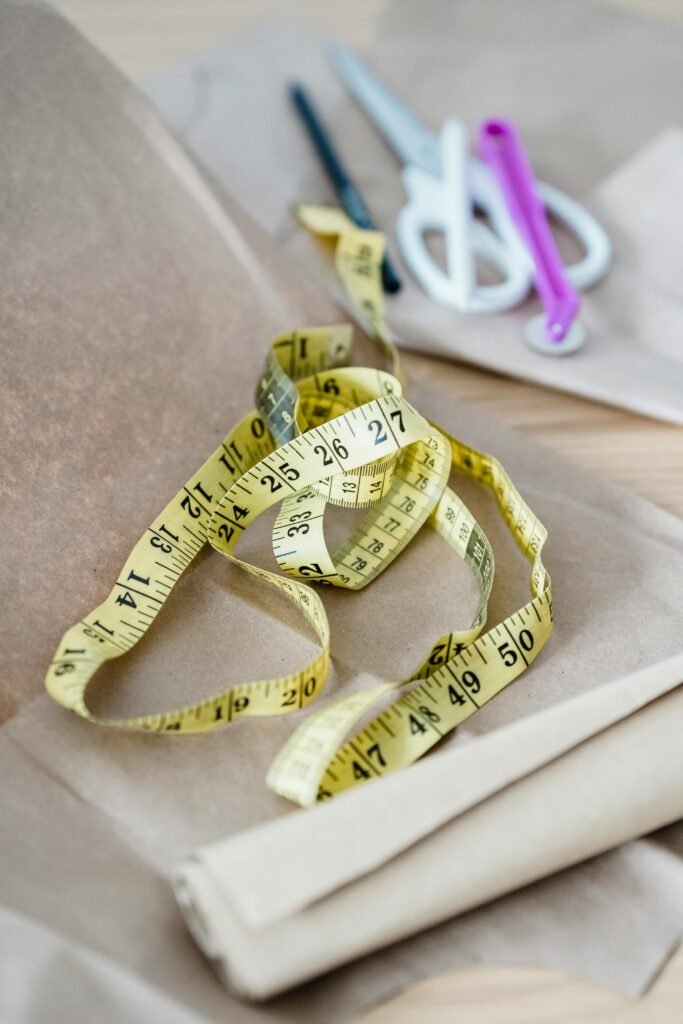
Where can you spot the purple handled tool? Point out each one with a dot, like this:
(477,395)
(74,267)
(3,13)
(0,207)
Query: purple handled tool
(557,332)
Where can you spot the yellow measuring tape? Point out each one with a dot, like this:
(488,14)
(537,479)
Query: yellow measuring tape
(327,433)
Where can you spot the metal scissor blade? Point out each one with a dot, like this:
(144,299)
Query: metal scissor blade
(413,143)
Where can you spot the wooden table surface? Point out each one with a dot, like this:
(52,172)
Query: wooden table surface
(141,36)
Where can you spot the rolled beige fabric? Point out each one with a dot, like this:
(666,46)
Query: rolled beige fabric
(456,831)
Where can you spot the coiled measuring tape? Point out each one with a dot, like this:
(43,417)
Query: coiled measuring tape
(327,433)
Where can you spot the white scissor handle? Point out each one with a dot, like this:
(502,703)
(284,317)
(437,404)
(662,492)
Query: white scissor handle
(444,204)
(586,272)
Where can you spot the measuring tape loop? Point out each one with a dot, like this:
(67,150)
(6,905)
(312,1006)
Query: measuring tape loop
(325,433)
(463,670)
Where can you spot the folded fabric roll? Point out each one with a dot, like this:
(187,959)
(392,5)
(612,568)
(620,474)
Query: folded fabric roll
(458,830)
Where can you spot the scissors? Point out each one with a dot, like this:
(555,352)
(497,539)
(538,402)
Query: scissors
(445,184)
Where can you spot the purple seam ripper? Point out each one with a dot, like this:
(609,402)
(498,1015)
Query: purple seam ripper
(556,331)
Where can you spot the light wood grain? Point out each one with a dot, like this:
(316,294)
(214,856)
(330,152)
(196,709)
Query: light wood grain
(507,995)
(143,35)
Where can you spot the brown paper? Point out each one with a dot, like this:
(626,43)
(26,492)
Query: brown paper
(587,101)
(134,325)
(135,309)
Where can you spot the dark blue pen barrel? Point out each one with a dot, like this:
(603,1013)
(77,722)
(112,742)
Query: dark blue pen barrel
(320,138)
(344,187)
